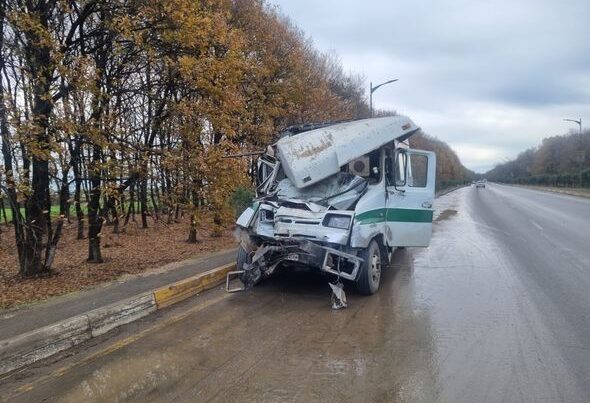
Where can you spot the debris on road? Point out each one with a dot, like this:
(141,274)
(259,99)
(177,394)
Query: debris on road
(338,295)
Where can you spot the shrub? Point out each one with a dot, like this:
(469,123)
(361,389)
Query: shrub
(241,198)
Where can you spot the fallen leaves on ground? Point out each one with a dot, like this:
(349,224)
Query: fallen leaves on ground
(134,251)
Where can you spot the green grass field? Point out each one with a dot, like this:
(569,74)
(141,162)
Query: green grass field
(54,212)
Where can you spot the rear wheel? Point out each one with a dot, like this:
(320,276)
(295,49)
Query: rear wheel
(370,275)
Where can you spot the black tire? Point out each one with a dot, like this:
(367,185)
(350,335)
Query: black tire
(243,257)
(370,271)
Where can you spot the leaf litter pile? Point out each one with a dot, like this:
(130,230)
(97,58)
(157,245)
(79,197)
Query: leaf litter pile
(134,251)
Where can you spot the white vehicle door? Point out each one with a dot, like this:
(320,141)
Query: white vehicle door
(410,197)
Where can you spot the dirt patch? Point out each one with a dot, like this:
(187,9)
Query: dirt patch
(445,215)
(135,251)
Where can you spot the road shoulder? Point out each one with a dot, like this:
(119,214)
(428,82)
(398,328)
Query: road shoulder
(36,332)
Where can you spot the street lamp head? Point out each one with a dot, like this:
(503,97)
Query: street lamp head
(373,89)
(574,120)
(578,122)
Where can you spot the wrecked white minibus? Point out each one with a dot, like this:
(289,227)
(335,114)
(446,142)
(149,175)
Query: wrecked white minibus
(338,198)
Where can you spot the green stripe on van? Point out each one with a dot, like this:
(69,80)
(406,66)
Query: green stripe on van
(394,215)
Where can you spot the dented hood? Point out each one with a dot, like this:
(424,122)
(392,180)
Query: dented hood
(311,156)
(339,191)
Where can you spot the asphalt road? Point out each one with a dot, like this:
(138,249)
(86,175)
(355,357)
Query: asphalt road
(497,309)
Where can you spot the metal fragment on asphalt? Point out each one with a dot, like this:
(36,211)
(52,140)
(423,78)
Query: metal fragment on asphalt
(338,295)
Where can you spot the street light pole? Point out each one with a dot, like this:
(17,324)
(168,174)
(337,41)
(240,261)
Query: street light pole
(578,122)
(580,155)
(372,90)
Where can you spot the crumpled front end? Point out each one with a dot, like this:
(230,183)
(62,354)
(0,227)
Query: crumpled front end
(303,229)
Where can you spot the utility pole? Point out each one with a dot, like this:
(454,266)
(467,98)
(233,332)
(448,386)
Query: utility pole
(580,155)
(372,90)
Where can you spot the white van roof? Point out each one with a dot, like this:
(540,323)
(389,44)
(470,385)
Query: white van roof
(311,156)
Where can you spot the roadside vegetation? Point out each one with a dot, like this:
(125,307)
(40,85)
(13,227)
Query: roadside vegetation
(116,117)
(449,169)
(559,161)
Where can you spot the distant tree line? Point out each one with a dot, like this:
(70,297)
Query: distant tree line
(559,161)
(112,108)
(449,169)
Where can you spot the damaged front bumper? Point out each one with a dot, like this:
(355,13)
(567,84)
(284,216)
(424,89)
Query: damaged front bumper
(300,252)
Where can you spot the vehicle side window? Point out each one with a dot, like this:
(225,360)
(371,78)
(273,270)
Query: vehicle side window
(374,173)
(389,171)
(265,168)
(400,168)
(418,170)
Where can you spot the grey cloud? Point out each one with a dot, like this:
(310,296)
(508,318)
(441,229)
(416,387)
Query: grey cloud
(531,57)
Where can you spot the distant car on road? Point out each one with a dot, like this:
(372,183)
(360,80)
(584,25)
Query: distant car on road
(480,184)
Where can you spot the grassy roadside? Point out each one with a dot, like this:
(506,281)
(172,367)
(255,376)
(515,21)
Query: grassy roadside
(54,212)
(131,252)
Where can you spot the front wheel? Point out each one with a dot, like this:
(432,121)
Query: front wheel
(370,273)
(242,258)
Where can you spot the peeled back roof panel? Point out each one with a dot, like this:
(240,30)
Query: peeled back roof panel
(311,156)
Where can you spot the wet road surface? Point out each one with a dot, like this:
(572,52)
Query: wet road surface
(497,309)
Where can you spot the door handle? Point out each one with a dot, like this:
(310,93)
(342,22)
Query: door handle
(400,192)
(427,205)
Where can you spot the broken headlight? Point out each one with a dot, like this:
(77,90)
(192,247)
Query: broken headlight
(337,221)
(267,216)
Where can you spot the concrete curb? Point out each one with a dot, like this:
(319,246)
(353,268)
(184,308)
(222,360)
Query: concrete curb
(27,348)
(448,190)
(102,320)
(33,346)
(176,292)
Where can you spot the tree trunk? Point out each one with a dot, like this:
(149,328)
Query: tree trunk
(3,207)
(132,196)
(111,202)
(37,207)
(131,203)
(192,235)
(64,195)
(53,244)
(115,214)
(38,56)
(155,205)
(106,216)
(217,225)
(77,193)
(94,218)
(143,201)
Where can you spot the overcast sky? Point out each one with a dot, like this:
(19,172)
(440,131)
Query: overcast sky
(491,78)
